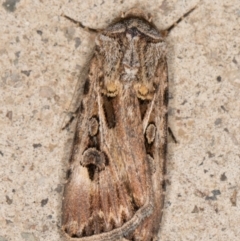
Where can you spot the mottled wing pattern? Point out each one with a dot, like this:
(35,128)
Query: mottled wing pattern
(115,183)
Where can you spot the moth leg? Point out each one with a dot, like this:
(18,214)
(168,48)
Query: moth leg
(170,132)
(73,115)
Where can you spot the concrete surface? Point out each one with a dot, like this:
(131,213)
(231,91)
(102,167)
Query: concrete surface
(43,57)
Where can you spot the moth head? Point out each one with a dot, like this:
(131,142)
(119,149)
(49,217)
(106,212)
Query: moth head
(137,12)
(138,22)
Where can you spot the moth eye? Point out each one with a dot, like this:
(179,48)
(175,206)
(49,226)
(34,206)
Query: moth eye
(93,126)
(150,133)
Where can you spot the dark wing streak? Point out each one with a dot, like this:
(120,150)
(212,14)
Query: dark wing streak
(110,187)
(124,160)
(101,113)
(119,146)
(138,177)
(114,172)
(113,196)
(102,123)
(115,168)
(148,113)
(134,162)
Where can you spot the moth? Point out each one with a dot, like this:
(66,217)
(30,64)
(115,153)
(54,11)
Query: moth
(115,187)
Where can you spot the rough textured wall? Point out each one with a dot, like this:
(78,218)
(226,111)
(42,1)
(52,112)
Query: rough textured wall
(43,59)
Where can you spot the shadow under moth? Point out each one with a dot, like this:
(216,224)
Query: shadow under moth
(115,188)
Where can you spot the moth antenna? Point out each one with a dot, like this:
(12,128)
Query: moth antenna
(90,30)
(171,27)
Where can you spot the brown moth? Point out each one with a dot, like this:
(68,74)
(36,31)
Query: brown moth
(115,188)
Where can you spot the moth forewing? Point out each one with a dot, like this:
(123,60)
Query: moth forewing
(116,175)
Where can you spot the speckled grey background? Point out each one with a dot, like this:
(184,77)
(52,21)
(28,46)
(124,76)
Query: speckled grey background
(43,58)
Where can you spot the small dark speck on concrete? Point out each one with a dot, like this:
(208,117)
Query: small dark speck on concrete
(219,78)
(212,198)
(226,129)
(37,145)
(223,177)
(17,54)
(77,42)
(198,93)
(195,209)
(1,153)
(46,107)
(8,222)
(223,108)
(39,32)
(210,155)
(49,216)
(8,200)
(26,72)
(216,192)
(58,188)
(44,202)
(218,121)
(184,102)
(9,115)
(234,61)
(45,40)
(10,5)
